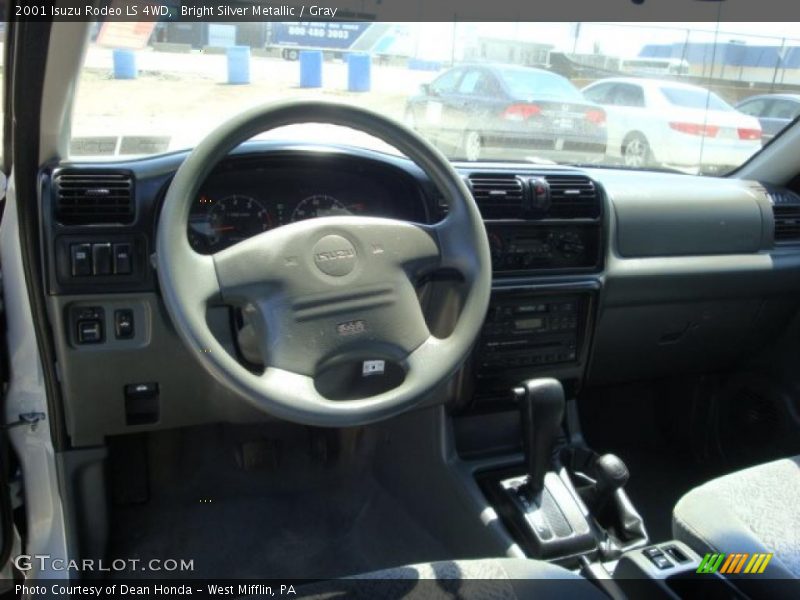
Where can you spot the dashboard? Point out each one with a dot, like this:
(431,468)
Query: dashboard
(243,198)
(600,275)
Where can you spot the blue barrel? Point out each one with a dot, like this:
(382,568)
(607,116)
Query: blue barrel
(238,65)
(311,68)
(359,72)
(125,64)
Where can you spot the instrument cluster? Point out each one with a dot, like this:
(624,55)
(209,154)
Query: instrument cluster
(239,203)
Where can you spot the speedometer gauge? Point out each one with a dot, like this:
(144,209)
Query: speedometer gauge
(229,221)
(319,205)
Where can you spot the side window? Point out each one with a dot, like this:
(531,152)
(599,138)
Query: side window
(475,83)
(446,83)
(784,109)
(628,95)
(754,108)
(599,93)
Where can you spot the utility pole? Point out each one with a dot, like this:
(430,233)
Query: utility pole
(453,43)
(575,40)
(686,48)
(778,62)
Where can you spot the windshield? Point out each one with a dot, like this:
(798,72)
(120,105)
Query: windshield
(566,93)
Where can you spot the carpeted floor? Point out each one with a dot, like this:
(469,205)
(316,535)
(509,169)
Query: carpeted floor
(638,423)
(278,515)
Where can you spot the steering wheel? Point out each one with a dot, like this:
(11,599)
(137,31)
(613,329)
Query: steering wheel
(329,288)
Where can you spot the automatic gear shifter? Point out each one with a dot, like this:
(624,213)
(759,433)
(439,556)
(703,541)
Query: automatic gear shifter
(541,404)
(540,505)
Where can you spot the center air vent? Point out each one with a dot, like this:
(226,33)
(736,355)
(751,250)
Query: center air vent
(786,213)
(88,198)
(572,197)
(498,196)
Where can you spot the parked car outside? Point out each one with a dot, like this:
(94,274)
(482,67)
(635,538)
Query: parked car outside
(654,122)
(475,112)
(773,111)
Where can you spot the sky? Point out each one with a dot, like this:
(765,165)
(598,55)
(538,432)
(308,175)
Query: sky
(624,40)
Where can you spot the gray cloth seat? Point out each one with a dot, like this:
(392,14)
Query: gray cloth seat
(486,579)
(752,510)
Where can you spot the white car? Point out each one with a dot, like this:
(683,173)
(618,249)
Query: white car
(658,122)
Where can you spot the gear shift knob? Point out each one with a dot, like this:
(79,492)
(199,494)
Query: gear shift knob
(541,403)
(611,474)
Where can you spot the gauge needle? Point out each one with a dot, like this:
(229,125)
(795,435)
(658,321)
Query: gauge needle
(228,228)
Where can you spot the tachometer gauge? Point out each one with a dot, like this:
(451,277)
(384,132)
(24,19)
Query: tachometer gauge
(231,220)
(319,205)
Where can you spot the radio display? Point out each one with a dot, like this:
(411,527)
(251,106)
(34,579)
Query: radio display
(528,324)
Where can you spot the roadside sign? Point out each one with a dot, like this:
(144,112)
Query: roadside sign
(129,35)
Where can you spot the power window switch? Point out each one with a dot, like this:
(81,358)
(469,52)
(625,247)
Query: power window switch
(101,256)
(658,558)
(652,552)
(662,562)
(123,261)
(81,259)
(123,324)
(90,332)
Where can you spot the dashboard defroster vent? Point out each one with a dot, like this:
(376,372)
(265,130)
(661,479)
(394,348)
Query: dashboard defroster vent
(786,214)
(497,195)
(88,198)
(572,197)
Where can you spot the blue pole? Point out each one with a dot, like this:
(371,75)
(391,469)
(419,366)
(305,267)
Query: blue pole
(125,64)
(311,68)
(359,72)
(238,65)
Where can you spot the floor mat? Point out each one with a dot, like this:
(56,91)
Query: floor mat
(315,534)
(238,523)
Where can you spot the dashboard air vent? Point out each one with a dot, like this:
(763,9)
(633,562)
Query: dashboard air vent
(573,197)
(497,195)
(786,214)
(88,198)
(787,223)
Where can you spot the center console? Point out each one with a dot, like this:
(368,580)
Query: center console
(559,501)
(566,504)
(545,233)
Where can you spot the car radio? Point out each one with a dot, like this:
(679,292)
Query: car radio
(531,331)
(534,247)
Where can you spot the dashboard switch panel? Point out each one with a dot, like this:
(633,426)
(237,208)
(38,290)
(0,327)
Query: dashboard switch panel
(100,262)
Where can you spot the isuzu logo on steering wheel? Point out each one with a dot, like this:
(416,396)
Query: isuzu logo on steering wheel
(334,255)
